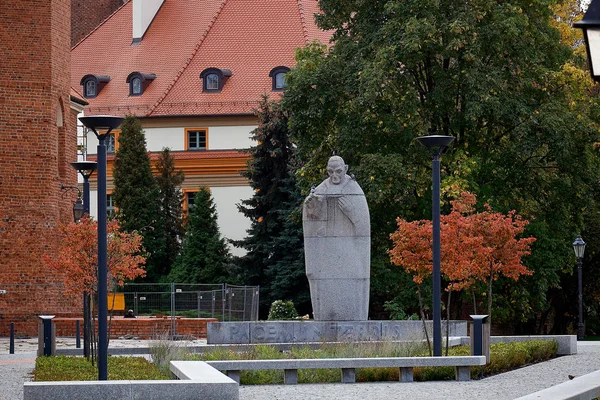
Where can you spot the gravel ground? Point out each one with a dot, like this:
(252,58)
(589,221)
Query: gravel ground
(16,369)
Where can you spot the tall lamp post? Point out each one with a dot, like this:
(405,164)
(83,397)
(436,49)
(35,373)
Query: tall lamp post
(579,247)
(102,125)
(436,144)
(86,169)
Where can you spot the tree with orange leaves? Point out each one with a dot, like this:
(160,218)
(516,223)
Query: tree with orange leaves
(77,259)
(475,246)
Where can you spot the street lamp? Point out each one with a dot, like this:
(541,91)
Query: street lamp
(579,247)
(78,205)
(102,125)
(590,25)
(436,144)
(86,169)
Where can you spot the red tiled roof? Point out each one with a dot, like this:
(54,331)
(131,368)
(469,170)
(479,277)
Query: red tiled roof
(247,37)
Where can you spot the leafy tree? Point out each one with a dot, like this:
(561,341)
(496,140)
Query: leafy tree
(204,256)
(136,197)
(77,258)
(169,182)
(475,246)
(496,76)
(275,256)
(77,262)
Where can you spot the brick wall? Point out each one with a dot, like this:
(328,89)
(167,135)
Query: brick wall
(142,327)
(35,151)
(86,15)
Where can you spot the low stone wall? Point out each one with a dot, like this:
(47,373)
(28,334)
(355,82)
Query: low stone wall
(586,387)
(125,390)
(142,327)
(315,331)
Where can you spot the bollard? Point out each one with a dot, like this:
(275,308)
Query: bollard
(46,336)
(480,336)
(77,334)
(12,338)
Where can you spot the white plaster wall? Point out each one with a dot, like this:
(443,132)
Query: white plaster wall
(94,204)
(143,13)
(230,137)
(159,138)
(232,223)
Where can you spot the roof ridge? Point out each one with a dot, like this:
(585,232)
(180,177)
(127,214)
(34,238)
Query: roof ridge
(188,61)
(100,24)
(303,21)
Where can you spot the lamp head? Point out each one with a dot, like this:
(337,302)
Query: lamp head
(99,123)
(85,168)
(579,247)
(436,144)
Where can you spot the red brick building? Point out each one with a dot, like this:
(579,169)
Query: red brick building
(37,142)
(88,14)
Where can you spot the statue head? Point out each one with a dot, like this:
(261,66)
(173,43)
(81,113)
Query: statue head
(336,169)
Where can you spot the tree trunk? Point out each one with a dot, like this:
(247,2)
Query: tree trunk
(490,284)
(448,321)
(423,319)
(474,301)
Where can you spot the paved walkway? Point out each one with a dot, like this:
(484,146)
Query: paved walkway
(16,369)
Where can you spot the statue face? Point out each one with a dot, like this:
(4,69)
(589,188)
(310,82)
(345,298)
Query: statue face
(336,171)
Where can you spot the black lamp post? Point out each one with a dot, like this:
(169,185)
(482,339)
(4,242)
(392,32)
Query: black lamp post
(590,24)
(102,125)
(436,144)
(579,247)
(86,169)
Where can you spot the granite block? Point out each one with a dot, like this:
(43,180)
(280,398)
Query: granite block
(314,331)
(406,374)
(228,332)
(356,331)
(348,375)
(147,390)
(290,376)
(271,332)
(463,374)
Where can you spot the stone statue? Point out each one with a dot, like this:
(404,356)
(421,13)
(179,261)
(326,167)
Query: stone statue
(337,246)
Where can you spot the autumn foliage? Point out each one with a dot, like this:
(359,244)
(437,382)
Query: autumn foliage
(77,259)
(475,246)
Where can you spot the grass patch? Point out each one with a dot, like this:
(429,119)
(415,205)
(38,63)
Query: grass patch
(63,368)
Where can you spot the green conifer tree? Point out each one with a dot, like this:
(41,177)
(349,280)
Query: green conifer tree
(136,196)
(204,256)
(275,257)
(169,184)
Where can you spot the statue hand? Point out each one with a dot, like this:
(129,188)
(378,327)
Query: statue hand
(346,206)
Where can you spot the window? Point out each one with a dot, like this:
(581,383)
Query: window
(196,139)
(93,84)
(90,88)
(213,79)
(280,80)
(278,76)
(212,82)
(110,143)
(138,82)
(191,196)
(110,206)
(136,86)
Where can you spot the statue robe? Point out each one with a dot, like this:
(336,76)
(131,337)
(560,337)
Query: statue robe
(337,246)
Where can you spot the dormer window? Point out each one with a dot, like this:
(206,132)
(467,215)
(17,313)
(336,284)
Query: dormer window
(138,82)
(213,79)
(278,76)
(93,84)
